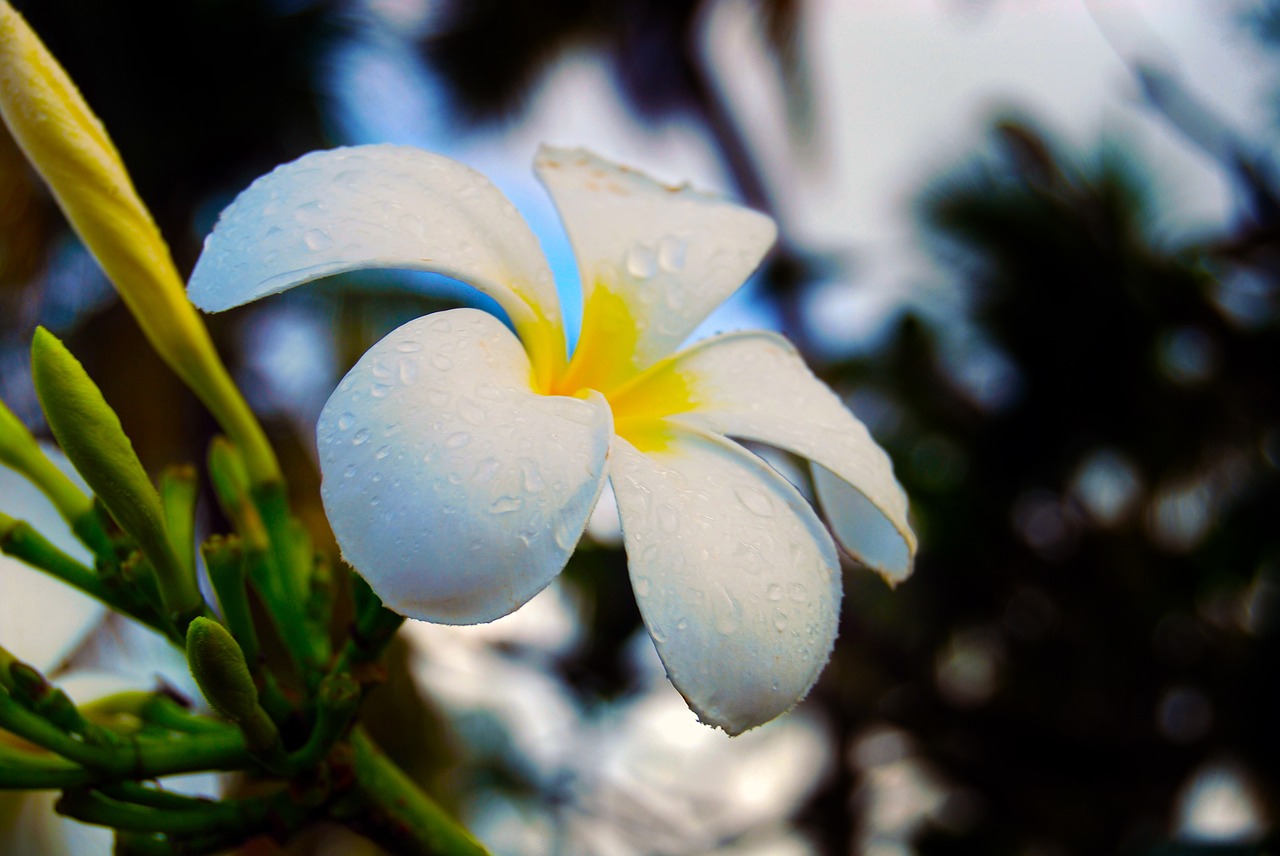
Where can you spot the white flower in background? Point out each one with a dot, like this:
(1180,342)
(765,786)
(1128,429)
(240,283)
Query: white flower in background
(461,462)
(69,637)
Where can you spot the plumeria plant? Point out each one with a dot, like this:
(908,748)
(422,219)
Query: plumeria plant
(461,458)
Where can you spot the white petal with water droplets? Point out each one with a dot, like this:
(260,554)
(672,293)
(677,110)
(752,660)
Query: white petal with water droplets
(755,386)
(451,486)
(378,206)
(42,620)
(736,578)
(672,253)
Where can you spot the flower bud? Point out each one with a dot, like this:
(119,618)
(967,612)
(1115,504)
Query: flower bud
(68,146)
(220,670)
(90,434)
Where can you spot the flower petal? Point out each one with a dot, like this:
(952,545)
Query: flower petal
(736,578)
(42,620)
(381,206)
(654,260)
(456,490)
(754,385)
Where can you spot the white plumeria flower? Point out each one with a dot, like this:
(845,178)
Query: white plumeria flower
(461,462)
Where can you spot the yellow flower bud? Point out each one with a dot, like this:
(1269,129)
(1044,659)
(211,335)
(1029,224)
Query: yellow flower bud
(70,149)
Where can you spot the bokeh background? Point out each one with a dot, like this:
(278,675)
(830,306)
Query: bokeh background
(1035,244)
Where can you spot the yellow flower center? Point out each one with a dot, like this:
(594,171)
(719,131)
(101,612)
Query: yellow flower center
(606,361)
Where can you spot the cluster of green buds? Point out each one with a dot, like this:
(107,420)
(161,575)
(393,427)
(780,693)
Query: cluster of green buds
(287,723)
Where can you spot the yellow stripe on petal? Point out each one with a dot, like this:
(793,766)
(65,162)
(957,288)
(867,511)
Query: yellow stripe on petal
(70,149)
(606,353)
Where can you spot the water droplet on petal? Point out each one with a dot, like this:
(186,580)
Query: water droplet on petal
(361,437)
(437,398)
(774,592)
(407,371)
(755,500)
(780,620)
(797,592)
(380,390)
(671,253)
(470,411)
(506,505)
(668,519)
(486,470)
(457,440)
(441,362)
(349,471)
(382,453)
(532,476)
(682,624)
(317,239)
(642,586)
(409,347)
(642,262)
(346,420)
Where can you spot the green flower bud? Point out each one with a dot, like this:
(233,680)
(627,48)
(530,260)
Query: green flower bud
(220,670)
(91,436)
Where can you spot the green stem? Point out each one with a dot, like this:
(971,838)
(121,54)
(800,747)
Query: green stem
(137,757)
(197,818)
(178,491)
(155,709)
(25,771)
(20,540)
(337,701)
(393,811)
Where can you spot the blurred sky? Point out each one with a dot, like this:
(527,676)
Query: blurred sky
(903,89)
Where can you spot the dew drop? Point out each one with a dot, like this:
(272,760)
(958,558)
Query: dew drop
(437,398)
(564,537)
(682,624)
(470,411)
(317,239)
(668,519)
(755,500)
(440,325)
(729,615)
(409,347)
(642,586)
(780,620)
(380,390)
(441,362)
(407,371)
(361,437)
(642,263)
(774,592)
(532,476)
(486,470)
(671,252)
(349,472)
(382,453)
(346,420)
(506,505)
(457,440)
(797,592)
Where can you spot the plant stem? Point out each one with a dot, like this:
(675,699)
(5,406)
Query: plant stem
(394,811)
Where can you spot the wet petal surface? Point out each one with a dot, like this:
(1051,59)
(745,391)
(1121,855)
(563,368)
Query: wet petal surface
(736,578)
(654,260)
(755,386)
(373,207)
(452,487)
